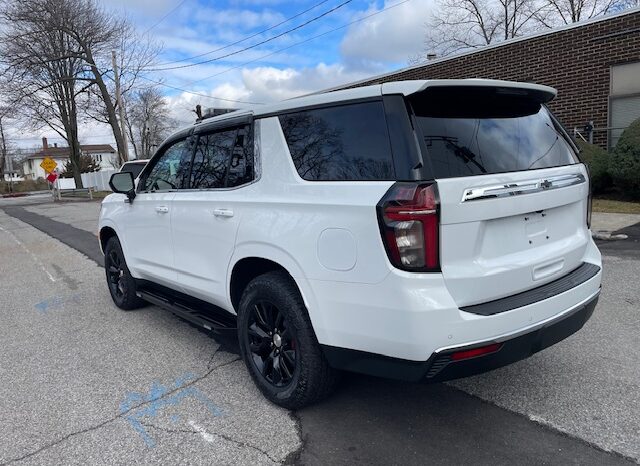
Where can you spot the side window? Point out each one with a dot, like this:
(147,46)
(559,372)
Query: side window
(347,142)
(223,159)
(170,170)
(241,163)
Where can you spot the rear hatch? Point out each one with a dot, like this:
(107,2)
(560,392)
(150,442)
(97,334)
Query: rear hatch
(513,194)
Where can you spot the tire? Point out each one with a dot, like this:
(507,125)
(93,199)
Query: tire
(286,363)
(122,286)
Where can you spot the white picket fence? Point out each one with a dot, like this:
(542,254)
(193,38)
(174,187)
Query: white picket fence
(99,181)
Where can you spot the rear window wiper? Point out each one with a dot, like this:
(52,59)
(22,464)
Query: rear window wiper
(459,151)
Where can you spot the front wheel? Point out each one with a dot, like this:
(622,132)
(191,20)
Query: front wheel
(122,285)
(278,344)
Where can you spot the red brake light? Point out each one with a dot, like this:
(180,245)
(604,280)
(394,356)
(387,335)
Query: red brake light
(472,353)
(408,216)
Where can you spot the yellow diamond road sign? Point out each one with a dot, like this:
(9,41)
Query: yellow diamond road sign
(48,164)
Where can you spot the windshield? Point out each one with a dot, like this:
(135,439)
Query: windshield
(482,134)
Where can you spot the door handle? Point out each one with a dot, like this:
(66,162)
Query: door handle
(162,209)
(223,212)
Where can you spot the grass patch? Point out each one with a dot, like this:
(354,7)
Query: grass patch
(615,206)
(101,194)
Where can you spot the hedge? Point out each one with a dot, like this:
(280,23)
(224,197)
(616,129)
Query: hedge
(624,166)
(597,159)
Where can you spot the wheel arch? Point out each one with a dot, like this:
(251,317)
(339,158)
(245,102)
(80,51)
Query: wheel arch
(248,262)
(106,232)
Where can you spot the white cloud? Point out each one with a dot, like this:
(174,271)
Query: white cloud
(237,18)
(390,37)
(263,85)
(268,84)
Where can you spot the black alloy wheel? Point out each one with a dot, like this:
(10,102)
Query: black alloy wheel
(115,274)
(122,286)
(278,344)
(272,344)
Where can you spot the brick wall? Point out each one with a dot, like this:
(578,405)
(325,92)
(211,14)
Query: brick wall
(575,61)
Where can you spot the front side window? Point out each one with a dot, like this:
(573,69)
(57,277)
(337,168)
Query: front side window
(346,142)
(170,170)
(222,159)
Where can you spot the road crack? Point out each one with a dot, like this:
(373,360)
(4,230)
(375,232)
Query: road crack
(226,437)
(210,370)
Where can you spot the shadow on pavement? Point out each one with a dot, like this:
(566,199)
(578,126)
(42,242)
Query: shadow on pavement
(377,421)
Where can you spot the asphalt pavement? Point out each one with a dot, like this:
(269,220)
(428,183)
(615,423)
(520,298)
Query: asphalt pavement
(86,383)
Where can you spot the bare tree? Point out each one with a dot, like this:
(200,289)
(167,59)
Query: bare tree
(556,12)
(148,121)
(464,24)
(457,25)
(96,34)
(42,70)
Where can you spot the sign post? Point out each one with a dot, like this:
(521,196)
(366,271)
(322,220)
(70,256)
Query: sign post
(49,165)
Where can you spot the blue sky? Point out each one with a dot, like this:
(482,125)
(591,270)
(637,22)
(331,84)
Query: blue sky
(380,43)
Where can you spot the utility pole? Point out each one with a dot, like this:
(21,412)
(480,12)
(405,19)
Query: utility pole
(8,163)
(120,104)
(6,157)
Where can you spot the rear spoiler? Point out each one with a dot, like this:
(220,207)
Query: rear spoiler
(534,92)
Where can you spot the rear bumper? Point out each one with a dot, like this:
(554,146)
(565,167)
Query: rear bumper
(441,366)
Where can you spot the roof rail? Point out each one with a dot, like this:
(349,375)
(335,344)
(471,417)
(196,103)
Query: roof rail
(214,112)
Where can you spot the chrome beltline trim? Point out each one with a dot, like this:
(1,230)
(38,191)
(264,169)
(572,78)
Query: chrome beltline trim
(531,328)
(522,187)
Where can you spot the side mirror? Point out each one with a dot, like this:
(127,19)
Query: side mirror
(123,183)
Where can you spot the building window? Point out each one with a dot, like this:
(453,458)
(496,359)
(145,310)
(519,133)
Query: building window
(624,99)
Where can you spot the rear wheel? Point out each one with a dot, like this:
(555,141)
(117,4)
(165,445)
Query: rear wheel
(278,344)
(122,285)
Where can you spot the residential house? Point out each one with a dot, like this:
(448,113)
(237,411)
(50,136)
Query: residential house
(104,154)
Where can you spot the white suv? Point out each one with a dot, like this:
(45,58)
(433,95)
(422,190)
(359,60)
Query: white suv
(420,230)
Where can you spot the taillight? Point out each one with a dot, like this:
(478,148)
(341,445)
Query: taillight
(408,216)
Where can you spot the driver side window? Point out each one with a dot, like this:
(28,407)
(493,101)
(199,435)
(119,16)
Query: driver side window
(171,169)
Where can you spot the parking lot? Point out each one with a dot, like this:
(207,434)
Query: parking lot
(84,382)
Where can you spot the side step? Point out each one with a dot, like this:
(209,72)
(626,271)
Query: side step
(194,310)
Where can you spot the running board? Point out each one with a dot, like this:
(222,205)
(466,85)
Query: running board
(194,310)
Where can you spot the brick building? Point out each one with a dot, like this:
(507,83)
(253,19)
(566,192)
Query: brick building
(594,65)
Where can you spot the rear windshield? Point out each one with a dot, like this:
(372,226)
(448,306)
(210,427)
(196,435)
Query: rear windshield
(473,132)
(134,168)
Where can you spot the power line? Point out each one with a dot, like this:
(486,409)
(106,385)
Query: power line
(165,16)
(245,38)
(299,43)
(200,94)
(315,18)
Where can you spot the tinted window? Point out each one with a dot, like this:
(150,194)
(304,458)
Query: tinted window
(348,142)
(241,163)
(170,169)
(222,159)
(490,134)
(133,168)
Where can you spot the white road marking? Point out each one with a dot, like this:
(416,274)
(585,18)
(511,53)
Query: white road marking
(33,256)
(202,431)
